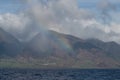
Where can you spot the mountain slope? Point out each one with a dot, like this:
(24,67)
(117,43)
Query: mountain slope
(66,50)
(56,50)
(110,48)
(9,45)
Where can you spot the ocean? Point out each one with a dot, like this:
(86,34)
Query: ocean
(59,74)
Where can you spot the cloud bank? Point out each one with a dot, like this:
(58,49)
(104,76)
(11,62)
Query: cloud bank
(63,16)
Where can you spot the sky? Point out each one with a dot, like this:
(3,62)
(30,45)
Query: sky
(82,18)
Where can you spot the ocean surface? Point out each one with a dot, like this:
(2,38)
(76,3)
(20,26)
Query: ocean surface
(61,74)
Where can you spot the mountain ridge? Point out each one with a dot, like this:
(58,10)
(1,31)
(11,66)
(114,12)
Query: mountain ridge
(55,49)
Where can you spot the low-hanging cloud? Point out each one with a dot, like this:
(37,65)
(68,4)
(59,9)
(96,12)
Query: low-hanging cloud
(60,15)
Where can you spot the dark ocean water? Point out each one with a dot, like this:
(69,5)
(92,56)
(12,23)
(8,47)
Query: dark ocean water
(64,74)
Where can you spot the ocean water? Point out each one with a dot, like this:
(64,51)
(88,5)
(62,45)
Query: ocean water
(64,74)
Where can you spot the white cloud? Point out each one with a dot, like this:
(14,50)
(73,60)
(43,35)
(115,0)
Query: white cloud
(60,15)
(13,22)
